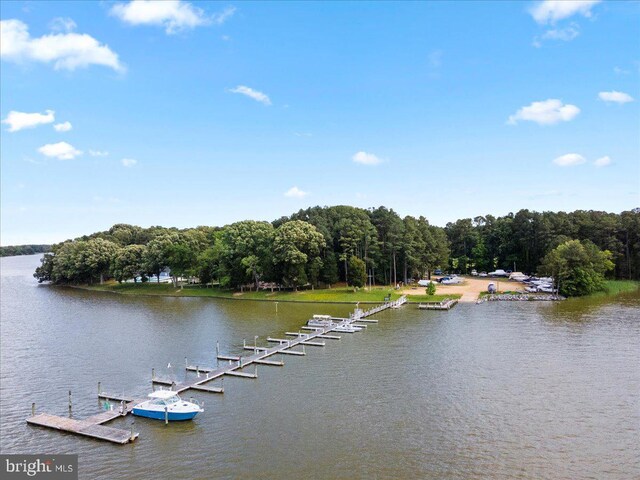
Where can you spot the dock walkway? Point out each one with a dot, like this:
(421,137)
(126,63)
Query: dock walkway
(445,304)
(93,425)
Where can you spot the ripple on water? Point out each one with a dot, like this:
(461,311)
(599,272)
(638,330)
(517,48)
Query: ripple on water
(498,390)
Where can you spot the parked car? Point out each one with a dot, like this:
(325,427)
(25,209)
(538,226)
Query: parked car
(498,273)
(474,272)
(482,274)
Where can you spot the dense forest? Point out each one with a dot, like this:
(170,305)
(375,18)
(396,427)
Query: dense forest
(13,250)
(321,246)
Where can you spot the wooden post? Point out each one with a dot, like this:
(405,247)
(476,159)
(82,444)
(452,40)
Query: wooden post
(217,348)
(99,388)
(166,415)
(132,438)
(244,342)
(153,374)
(33,409)
(276,307)
(255,370)
(198,371)
(185,362)
(69,402)
(173,386)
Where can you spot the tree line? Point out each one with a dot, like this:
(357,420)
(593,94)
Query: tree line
(521,241)
(13,250)
(320,246)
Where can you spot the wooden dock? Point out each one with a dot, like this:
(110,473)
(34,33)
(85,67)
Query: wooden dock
(445,304)
(93,426)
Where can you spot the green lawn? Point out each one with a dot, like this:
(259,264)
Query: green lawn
(614,287)
(339,294)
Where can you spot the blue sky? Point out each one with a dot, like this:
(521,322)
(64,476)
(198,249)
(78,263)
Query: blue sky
(199,113)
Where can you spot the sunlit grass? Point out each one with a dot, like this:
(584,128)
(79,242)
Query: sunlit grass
(339,294)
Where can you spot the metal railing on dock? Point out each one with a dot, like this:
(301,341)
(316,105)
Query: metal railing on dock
(93,426)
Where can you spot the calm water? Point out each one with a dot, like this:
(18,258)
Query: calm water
(500,390)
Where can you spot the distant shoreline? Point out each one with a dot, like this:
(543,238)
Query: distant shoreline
(469,292)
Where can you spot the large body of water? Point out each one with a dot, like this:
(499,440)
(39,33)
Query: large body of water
(498,390)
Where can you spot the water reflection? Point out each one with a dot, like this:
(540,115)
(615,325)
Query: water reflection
(498,390)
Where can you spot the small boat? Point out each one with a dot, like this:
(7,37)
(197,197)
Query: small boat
(346,329)
(166,404)
(322,321)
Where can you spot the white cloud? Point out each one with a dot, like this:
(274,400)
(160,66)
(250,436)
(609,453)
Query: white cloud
(66,50)
(616,97)
(98,153)
(550,11)
(251,93)
(63,127)
(19,120)
(129,162)
(173,15)
(620,71)
(602,161)
(366,158)
(564,34)
(61,24)
(547,112)
(569,160)
(295,192)
(60,150)
(223,16)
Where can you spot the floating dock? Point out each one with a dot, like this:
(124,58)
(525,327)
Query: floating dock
(93,426)
(445,304)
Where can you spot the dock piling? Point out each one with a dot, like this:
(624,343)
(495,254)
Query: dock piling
(93,426)
(185,362)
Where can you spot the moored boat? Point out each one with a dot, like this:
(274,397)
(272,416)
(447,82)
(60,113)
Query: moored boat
(165,404)
(323,321)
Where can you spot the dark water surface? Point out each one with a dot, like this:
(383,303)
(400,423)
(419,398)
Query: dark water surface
(498,390)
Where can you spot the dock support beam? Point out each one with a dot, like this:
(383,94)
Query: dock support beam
(166,415)
(33,409)
(99,388)
(69,402)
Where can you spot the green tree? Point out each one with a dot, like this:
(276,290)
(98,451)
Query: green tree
(156,257)
(329,271)
(577,267)
(357,272)
(296,245)
(128,263)
(246,252)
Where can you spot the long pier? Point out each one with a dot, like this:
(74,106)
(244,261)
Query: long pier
(94,427)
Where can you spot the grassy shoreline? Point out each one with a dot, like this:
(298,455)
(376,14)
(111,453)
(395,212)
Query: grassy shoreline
(339,294)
